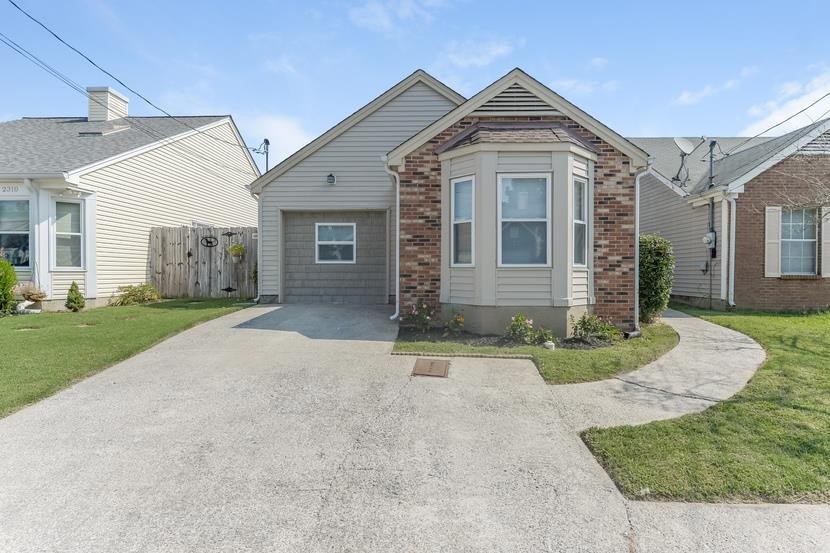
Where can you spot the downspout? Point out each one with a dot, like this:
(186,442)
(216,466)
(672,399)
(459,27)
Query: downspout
(640,173)
(732,216)
(258,245)
(397,178)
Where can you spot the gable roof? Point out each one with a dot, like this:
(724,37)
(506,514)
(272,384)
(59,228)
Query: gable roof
(419,76)
(527,101)
(752,156)
(57,145)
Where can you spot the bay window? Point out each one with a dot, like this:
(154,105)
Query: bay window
(69,239)
(462,201)
(524,219)
(335,242)
(798,241)
(580,222)
(14,232)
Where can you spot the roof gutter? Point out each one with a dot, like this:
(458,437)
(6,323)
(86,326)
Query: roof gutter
(397,179)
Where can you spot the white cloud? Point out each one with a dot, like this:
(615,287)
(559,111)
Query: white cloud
(598,62)
(691,97)
(583,87)
(791,97)
(470,53)
(281,66)
(388,17)
(286,134)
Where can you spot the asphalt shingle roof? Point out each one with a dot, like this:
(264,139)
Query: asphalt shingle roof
(35,145)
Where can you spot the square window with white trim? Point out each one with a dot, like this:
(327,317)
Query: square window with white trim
(15,232)
(799,241)
(524,219)
(580,222)
(68,235)
(335,242)
(463,217)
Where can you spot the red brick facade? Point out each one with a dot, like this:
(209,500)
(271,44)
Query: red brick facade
(789,183)
(614,210)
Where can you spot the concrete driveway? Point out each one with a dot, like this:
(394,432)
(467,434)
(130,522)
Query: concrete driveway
(292,429)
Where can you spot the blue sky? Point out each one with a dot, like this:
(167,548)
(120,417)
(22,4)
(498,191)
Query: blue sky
(290,70)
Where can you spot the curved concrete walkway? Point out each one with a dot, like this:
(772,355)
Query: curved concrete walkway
(711,363)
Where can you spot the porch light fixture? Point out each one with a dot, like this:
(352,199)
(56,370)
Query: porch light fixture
(331,179)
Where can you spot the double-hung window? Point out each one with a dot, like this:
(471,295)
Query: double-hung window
(463,202)
(798,241)
(14,232)
(335,242)
(580,222)
(69,237)
(524,219)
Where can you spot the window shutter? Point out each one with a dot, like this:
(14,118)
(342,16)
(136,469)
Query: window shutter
(772,242)
(825,242)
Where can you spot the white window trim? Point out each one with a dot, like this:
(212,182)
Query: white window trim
(318,243)
(471,220)
(817,218)
(584,221)
(547,176)
(53,261)
(29,232)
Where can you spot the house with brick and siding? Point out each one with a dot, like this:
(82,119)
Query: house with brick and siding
(750,229)
(512,200)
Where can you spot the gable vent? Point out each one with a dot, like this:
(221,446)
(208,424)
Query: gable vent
(513,99)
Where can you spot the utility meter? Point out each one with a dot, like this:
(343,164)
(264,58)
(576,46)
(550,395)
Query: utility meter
(709,239)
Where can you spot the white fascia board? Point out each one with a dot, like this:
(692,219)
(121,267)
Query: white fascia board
(738,184)
(75,175)
(517,76)
(519,147)
(418,76)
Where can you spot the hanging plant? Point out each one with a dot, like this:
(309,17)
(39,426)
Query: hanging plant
(237,251)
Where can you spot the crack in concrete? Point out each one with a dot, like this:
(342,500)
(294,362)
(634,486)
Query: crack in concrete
(632,543)
(668,392)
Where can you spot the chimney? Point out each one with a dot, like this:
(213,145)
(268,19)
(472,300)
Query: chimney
(106,104)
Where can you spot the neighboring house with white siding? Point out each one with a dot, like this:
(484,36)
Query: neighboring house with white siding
(511,200)
(78,195)
(754,230)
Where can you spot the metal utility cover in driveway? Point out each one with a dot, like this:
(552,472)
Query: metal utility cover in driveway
(431,367)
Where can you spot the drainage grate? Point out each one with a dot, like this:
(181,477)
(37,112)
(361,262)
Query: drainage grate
(431,367)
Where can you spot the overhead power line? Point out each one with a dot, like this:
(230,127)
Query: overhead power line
(119,81)
(152,133)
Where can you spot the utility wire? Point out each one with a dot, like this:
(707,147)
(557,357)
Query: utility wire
(153,133)
(122,83)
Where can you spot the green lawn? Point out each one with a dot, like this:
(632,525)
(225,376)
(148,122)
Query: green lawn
(771,442)
(564,366)
(47,352)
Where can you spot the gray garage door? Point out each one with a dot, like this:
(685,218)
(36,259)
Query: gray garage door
(335,257)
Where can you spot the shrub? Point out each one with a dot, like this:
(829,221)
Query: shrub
(521,330)
(455,325)
(237,250)
(136,294)
(421,316)
(74,299)
(591,328)
(8,278)
(30,292)
(656,275)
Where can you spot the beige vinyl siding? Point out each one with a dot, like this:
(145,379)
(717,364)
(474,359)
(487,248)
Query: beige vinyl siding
(171,185)
(462,284)
(62,280)
(524,162)
(354,158)
(580,290)
(523,286)
(664,212)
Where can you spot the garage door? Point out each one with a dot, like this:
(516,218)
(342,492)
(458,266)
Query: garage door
(335,257)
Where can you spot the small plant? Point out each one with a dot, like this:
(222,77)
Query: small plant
(591,328)
(8,278)
(136,294)
(520,329)
(544,335)
(74,299)
(237,249)
(421,316)
(656,275)
(455,325)
(30,292)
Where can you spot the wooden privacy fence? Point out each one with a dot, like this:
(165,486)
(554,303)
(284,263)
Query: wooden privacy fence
(193,262)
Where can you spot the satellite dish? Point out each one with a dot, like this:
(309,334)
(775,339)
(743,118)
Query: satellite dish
(686,146)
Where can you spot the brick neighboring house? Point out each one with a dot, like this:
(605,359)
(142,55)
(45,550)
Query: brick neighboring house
(512,200)
(768,210)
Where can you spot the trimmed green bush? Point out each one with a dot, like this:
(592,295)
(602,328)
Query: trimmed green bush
(656,275)
(8,280)
(137,294)
(590,328)
(74,299)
